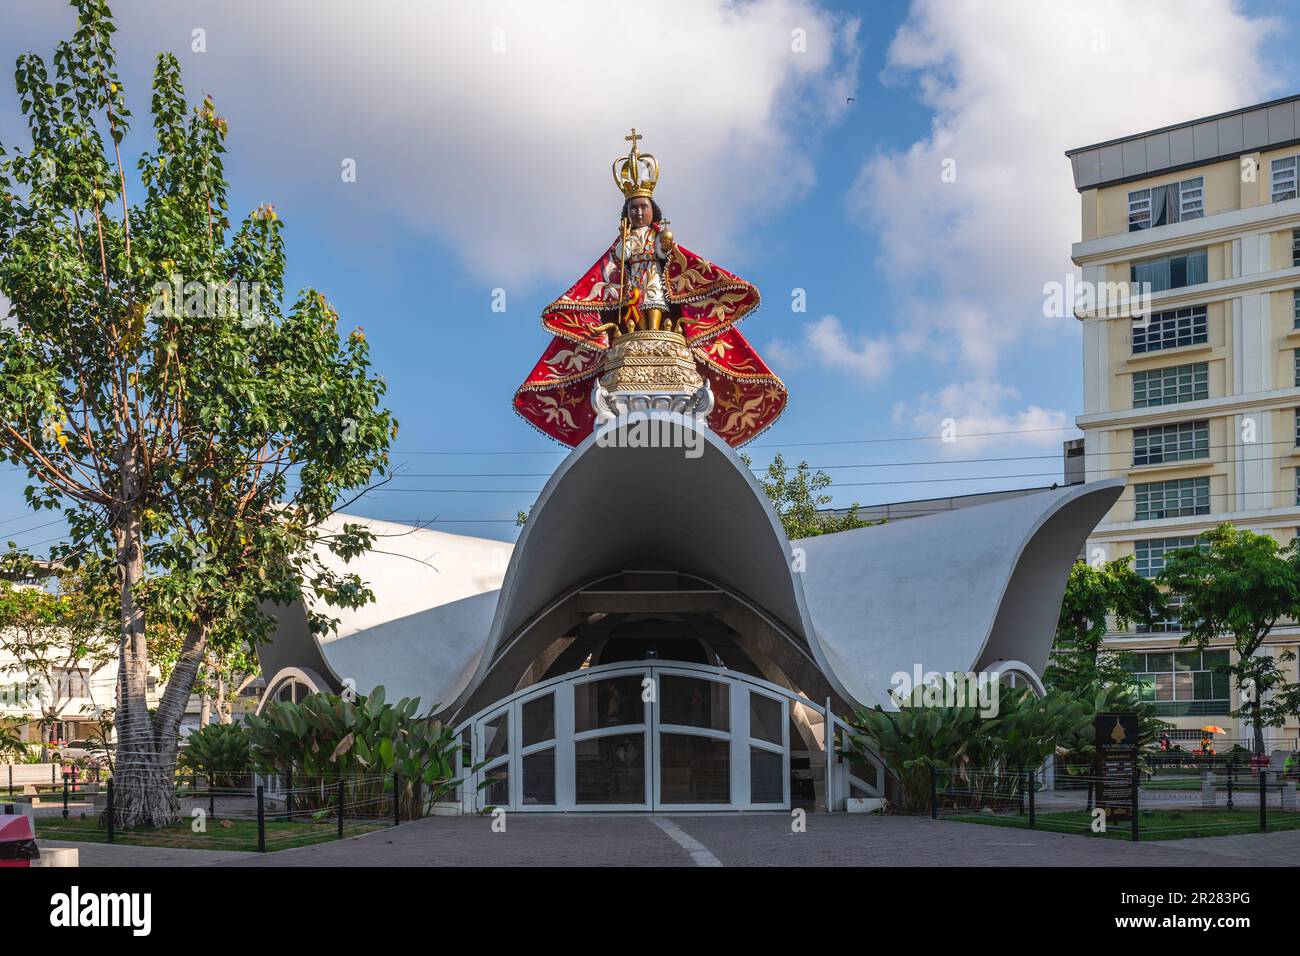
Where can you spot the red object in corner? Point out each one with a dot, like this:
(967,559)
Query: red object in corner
(17,842)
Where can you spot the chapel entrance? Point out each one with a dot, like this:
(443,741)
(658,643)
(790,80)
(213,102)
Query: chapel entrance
(635,736)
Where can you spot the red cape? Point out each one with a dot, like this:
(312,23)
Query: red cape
(556,397)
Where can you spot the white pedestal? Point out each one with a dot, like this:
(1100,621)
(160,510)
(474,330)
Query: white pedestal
(1207,791)
(58,856)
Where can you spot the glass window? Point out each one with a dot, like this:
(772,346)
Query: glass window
(694,769)
(496,736)
(608,703)
(1172,499)
(1295,248)
(1295,307)
(1150,555)
(692,702)
(765,718)
(1168,386)
(1187,660)
(1284,178)
(538,719)
(610,769)
(1212,659)
(1159,662)
(766,776)
(1172,272)
(1161,205)
(539,777)
(497,790)
(1171,329)
(1165,443)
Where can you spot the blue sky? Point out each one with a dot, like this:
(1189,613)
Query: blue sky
(482,135)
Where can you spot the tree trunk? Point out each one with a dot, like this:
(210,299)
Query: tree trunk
(1254,715)
(143,794)
(205,710)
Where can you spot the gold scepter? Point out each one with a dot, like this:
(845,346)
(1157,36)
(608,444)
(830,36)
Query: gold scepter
(622,268)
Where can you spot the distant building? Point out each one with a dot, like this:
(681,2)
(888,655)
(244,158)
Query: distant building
(1194,402)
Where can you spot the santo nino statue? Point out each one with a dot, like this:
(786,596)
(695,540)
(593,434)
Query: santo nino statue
(650,316)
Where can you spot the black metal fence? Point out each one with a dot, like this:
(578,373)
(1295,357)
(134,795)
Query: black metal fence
(1160,803)
(247,816)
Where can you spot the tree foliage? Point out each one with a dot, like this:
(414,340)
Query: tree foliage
(1097,598)
(796,493)
(157,391)
(1237,587)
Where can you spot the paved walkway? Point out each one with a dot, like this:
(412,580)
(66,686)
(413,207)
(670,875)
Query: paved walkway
(760,840)
(102,854)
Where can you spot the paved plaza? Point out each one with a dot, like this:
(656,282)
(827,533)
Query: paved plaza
(721,840)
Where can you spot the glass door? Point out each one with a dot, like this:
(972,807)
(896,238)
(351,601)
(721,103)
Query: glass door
(611,755)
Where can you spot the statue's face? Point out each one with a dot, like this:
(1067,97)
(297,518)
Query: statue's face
(640,212)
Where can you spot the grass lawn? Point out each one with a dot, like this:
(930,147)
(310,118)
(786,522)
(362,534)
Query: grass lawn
(1152,824)
(240,835)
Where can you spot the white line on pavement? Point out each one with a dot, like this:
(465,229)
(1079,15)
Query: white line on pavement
(698,851)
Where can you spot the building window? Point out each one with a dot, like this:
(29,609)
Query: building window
(1169,386)
(1284,178)
(1295,248)
(1181,683)
(72,682)
(1297,367)
(1295,308)
(1297,427)
(1161,205)
(1167,330)
(1172,499)
(1150,558)
(1172,272)
(1165,443)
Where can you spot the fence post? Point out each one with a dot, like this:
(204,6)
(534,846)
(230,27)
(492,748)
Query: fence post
(1032,788)
(397,804)
(934,794)
(288,793)
(11,780)
(1263,800)
(212,800)
(1133,803)
(340,806)
(1232,763)
(261,821)
(109,810)
(65,796)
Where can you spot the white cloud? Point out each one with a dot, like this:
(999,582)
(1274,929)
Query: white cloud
(826,342)
(979,413)
(505,156)
(863,357)
(1012,85)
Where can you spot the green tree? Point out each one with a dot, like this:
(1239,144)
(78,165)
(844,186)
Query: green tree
(796,494)
(1097,598)
(157,392)
(1238,586)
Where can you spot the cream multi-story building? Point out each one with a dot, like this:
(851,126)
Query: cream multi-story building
(1197,402)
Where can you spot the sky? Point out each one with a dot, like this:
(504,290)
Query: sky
(891,175)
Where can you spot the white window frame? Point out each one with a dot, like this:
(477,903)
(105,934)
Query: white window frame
(1284,181)
(1191,203)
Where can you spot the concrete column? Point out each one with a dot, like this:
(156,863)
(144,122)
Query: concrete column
(1207,791)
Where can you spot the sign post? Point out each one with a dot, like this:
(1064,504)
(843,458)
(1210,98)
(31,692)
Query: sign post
(1116,770)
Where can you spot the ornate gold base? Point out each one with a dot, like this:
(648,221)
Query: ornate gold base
(647,360)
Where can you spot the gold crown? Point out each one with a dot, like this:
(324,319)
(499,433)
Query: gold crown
(637,173)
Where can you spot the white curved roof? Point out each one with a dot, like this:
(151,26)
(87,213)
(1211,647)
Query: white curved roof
(435,594)
(952,591)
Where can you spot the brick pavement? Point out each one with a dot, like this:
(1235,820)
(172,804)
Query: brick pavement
(761,840)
